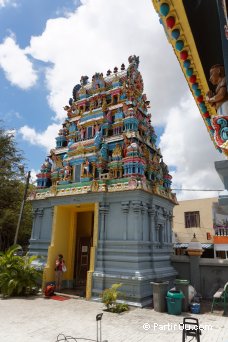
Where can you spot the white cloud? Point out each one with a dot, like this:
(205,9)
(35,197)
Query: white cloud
(4,3)
(33,175)
(100,35)
(11,116)
(17,67)
(186,145)
(45,139)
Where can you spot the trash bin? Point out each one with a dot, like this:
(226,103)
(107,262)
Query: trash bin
(159,294)
(182,285)
(195,308)
(174,302)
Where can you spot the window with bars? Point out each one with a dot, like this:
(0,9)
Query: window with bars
(192,219)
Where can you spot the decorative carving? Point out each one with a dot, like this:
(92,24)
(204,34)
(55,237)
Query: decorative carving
(104,208)
(220,125)
(67,172)
(136,205)
(94,186)
(125,206)
(219,98)
(117,152)
(108,136)
(40,212)
(57,161)
(53,190)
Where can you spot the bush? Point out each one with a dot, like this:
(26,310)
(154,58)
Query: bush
(109,298)
(17,276)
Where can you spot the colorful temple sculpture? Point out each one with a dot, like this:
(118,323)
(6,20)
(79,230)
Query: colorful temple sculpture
(198,33)
(103,196)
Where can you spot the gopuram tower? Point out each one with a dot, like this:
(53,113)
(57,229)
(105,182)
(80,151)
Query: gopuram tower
(103,196)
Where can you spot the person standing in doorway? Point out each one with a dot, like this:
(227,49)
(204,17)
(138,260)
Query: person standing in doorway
(59,268)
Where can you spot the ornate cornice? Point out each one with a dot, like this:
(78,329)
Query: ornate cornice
(178,32)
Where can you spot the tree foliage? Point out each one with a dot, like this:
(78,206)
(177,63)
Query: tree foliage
(11,192)
(17,275)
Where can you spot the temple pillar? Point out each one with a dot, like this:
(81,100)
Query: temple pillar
(138,233)
(125,210)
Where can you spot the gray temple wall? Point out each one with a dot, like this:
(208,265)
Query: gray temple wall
(134,244)
(134,239)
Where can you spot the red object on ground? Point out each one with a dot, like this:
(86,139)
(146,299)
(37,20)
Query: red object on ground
(49,290)
(60,298)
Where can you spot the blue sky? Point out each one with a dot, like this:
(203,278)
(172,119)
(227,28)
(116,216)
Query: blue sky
(46,46)
(19,107)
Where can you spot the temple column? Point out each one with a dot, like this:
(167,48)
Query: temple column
(170,228)
(125,211)
(40,213)
(151,213)
(103,211)
(165,238)
(138,234)
(34,234)
(145,223)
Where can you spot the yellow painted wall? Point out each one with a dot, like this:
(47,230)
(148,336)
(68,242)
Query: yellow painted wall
(68,222)
(62,241)
(204,206)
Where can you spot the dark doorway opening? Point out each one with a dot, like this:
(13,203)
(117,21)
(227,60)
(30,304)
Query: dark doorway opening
(84,238)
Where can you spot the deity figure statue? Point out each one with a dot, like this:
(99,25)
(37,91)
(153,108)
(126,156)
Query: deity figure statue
(67,172)
(57,161)
(104,105)
(109,116)
(117,152)
(84,80)
(133,60)
(99,101)
(86,168)
(68,109)
(46,165)
(96,127)
(219,98)
(82,131)
(92,106)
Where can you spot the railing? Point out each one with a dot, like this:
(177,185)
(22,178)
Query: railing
(221,231)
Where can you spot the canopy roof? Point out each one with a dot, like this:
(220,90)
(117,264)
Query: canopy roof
(198,32)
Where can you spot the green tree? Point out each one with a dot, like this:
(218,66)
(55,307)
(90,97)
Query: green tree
(11,192)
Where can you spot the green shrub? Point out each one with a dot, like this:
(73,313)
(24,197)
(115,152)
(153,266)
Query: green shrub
(109,298)
(17,276)
(121,307)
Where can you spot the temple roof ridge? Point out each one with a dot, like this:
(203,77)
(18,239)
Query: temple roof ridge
(108,78)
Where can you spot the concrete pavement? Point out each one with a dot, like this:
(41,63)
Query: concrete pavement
(38,319)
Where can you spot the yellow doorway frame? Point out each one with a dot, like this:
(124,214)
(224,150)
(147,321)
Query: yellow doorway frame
(63,240)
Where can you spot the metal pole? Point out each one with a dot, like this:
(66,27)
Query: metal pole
(22,207)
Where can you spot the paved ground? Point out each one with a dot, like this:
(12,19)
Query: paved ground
(41,320)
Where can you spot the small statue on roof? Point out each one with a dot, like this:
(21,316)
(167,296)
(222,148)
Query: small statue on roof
(84,80)
(134,60)
(67,172)
(75,92)
(219,98)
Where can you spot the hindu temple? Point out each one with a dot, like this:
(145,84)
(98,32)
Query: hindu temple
(103,196)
